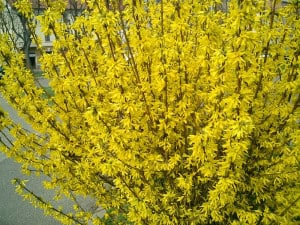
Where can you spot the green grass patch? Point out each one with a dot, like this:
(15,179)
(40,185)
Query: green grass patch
(48,92)
(38,74)
(115,218)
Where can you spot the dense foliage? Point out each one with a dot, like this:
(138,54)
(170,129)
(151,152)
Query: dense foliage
(165,112)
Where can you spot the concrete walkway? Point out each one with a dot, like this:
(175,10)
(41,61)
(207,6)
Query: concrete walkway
(13,209)
(41,82)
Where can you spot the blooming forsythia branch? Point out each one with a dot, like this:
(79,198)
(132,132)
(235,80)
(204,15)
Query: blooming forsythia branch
(169,112)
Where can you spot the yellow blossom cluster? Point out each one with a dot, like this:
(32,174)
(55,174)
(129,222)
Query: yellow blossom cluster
(166,112)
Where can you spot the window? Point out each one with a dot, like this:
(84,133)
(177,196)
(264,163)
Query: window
(32,60)
(47,38)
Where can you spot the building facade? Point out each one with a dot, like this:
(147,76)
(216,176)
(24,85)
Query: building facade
(16,26)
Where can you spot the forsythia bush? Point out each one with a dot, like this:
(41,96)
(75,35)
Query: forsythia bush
(164,112)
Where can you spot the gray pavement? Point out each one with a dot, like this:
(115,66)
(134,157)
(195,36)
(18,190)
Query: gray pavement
(2,157)
(42,82)
(13,209)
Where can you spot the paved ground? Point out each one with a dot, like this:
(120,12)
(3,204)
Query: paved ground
(42,82)
(13,209)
